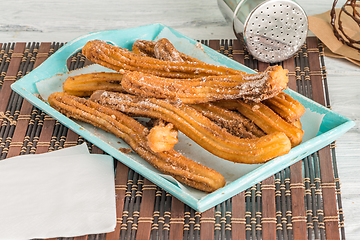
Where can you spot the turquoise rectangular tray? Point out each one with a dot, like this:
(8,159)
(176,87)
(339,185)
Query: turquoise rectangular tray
(332,126)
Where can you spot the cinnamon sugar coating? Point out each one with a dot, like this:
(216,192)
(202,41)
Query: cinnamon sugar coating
(199,128)
(133,133)
(118,58)
(255,87)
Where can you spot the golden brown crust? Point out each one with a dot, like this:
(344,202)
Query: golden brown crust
(164,50)
(133,133)
(144,48)
(85,84)
(199,128)
(161,49)
(297,124)
(287,107)
(266,119)
(255,87)
(162,137)
(117,58)
(233,122)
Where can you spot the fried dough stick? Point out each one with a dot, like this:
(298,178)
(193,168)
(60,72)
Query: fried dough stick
(134,134)
(162,137)
(85,84)
(255,87)
(233,122)
(287,107)
(265,118)
(117,58)
(199,128)
(144,48)
(161,49)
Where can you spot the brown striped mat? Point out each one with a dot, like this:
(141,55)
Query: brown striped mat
(300,202)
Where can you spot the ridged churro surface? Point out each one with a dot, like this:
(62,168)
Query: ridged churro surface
(255,87)
(133,133)
(265,118)
(117,58)
(199,128)
(85,84)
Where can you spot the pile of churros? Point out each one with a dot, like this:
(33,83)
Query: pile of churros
(239,117)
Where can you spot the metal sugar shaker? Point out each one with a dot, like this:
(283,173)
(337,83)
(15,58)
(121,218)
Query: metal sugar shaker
(272,30)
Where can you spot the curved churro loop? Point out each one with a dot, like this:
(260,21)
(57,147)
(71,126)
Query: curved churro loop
(85,84)
(165,50)
(117,58)
(266,119)
(199,128)
(287,107)
(162,49)
(134,134)
(144,48)
(233,122)
(255,87)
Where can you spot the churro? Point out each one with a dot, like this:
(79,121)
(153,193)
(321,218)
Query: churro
(265,118)
(161,49)
(199,128)
(85,84)
(133,133)
(287,107)
(233,122)
(255,87)
(162,137)
(118,58)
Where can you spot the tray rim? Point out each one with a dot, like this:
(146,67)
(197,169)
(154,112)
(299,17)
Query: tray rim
(211,199)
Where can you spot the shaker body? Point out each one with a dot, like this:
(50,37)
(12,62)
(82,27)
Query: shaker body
(272,30)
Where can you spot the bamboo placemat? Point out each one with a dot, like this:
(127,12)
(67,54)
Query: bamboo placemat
(302,201)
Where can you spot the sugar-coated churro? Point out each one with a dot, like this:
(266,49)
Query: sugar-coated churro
(133,133)
(233,122)
(286,106)
(161,49)
(162,137)
(85,84)
(199,128)
(265,118)
(255,87)
(117,58)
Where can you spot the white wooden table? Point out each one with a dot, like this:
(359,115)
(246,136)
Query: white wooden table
(62,21)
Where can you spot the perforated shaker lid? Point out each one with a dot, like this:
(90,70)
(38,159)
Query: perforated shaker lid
(275,30)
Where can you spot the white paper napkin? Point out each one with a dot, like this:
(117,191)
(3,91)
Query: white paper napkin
(64,193)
